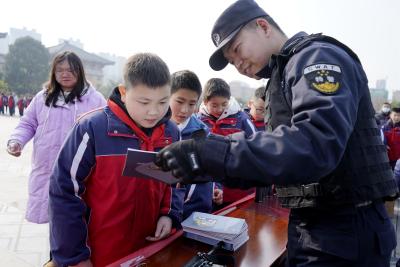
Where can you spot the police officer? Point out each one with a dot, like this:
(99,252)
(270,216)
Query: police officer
(322,149)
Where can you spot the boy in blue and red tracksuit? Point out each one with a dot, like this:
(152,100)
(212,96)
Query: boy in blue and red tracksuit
(256,109)
(222,114)
(185,93)
(97,215)
(391,132)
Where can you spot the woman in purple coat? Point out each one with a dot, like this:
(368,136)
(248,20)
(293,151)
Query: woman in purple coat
(48,119)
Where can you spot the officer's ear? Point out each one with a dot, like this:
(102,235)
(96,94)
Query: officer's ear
(264,25)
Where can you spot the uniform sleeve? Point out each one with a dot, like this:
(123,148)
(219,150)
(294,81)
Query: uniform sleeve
(177,200)
(68,212)
(28,123)
(312,146)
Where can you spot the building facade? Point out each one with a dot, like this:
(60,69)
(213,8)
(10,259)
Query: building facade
(3,36)
(92,63)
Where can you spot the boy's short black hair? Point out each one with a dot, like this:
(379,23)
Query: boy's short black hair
(185,79)
(259,92)
(396,110)
(147,69)
(216,87)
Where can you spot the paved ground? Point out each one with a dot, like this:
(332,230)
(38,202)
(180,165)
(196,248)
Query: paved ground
(22,244)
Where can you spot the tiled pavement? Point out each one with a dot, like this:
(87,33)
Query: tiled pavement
(22,244)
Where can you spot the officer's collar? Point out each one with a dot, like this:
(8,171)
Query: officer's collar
(292,42)
(286,48)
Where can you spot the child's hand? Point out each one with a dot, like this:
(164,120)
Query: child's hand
(164,226)
(218,196)
(86,263)
(14,148)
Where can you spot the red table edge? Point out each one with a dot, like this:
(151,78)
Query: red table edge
(152,249)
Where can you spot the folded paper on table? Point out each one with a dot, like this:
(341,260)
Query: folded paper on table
(140,164)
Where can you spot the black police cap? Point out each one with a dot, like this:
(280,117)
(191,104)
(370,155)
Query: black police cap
(229,23)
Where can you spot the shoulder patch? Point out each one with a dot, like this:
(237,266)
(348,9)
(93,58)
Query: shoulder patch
(325,78)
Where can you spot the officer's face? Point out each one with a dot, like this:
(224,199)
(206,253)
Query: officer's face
(250,51)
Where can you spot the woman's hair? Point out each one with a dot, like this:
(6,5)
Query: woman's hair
(53,88)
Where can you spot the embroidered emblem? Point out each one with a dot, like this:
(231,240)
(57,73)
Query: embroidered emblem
(324,78)
(216,38)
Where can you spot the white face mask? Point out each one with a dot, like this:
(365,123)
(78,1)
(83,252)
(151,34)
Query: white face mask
(385,109)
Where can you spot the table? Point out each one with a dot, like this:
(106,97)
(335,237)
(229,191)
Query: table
(267,223)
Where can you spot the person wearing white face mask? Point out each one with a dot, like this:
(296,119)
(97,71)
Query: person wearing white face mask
(383,116)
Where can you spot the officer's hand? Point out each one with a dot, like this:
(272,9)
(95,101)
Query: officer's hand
(182,159)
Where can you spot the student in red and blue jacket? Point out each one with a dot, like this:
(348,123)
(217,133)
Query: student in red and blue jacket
(97,215)
(256,109)
(185,93)
(223,115)
(391,132)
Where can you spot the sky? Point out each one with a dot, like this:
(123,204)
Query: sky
(179,31)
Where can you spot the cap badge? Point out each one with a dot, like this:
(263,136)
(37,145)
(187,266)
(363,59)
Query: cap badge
(216,38)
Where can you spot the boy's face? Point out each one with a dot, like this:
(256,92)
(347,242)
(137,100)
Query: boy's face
(395,116)
(216,105)
(183,103)
(257,109)
(146,105)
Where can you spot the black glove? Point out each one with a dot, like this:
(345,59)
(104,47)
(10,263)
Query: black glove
(190,160)
(182,159)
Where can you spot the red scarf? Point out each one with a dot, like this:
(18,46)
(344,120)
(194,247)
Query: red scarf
(147,142)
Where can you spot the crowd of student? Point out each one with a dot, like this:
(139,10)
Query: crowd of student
(388,119)
(152,109)
(9,103)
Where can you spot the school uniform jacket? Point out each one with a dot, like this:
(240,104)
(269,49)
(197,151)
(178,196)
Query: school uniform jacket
(232,120)
(95,211)
(197,197)
(391,134)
